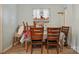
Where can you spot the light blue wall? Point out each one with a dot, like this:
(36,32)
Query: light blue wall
(0,28)
(76,27)
(9,24)
(72,18)
(25,13)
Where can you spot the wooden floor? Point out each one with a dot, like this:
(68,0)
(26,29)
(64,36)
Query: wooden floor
(20,50)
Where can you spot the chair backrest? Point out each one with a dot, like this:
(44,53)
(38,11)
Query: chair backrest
(34,23)
(36,33)
(65,29)
(53,34)
(25,26)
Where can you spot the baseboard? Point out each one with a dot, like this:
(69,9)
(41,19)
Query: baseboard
(7,49)
(15,43)
(75,50)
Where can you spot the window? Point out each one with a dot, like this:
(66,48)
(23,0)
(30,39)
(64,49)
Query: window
(40,14)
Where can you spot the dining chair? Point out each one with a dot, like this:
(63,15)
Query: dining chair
(65,30)
(17,37)
(36,38)
(53,38)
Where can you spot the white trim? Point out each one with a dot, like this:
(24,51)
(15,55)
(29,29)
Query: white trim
(15,43)
(7,49)
(75,49)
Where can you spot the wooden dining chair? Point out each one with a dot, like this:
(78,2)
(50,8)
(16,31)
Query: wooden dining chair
(65,30)
(53,38)
(36,38)
(17,37)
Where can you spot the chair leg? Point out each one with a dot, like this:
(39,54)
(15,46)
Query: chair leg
(57,49)
(31,49)
(41,49)
(27,49)
(26,46)
(13,44)
(47,49)
(13,41)
(61,46)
